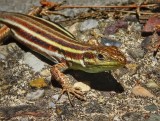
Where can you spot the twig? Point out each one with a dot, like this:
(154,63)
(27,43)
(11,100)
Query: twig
(129,6)
(134,12)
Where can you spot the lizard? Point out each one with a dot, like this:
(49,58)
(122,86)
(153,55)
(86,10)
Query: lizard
(57,44)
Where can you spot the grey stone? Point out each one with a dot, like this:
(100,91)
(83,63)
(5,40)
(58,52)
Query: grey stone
(35,95)
(62,99)
(151,107)
(24,119)
(33,62)
(136,52)
(132,116)
(110,42)
(153,117)
(2,57)
(52,105)
(88,24)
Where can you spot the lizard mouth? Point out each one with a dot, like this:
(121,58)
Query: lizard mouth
(112,64)
(102,67)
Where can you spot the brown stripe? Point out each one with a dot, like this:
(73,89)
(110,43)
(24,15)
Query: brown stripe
(45,24)
(38,41)
(41,43)
(48,26)
(49,36)
(53,27)
(35,40)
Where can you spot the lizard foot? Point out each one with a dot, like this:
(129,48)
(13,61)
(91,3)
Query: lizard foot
(72,90)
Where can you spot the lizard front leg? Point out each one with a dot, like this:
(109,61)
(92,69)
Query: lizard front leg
(64,80)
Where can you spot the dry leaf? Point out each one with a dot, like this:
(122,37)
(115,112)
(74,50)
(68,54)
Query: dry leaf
(38,83)
(151,24)
(141,91)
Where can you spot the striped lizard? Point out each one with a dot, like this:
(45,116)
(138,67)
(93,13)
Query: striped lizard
(57,44)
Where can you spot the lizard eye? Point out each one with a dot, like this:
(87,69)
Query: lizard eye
(100,57)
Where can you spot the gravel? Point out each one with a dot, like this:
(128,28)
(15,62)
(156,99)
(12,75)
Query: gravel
(110,97)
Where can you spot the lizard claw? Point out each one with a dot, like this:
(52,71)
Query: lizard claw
(74,91)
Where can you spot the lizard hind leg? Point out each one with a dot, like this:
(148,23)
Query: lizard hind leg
(44,9)
(4,32)
(49,6)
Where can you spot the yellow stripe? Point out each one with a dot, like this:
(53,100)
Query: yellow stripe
(57,26)
(53,43)
(45,52)
(70,36)
(71,39)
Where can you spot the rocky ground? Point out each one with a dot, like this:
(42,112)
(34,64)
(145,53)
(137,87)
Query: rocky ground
(127,94)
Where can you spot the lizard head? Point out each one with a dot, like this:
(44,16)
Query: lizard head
(103,58)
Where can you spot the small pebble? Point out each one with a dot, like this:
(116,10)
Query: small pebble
(73,29)
(132,68)
(35,95)
(2,57)
(82,86)
(93,42)
(52,105)
(154,61)
(152,84)
(110,42)
(153,117)
(21,92)
(12,47)
(88,24)
(55,97)
(136,52)
(145,43)
(96,33)
(45,73)
(70,12)
(62,99)
(24,119)
(83,38)
(132,116)
(137,27)
(101,99)
(131,18)
(141,91)
(3,51)
(151,107)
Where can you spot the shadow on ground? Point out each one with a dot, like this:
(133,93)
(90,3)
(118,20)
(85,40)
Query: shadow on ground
(100,81)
